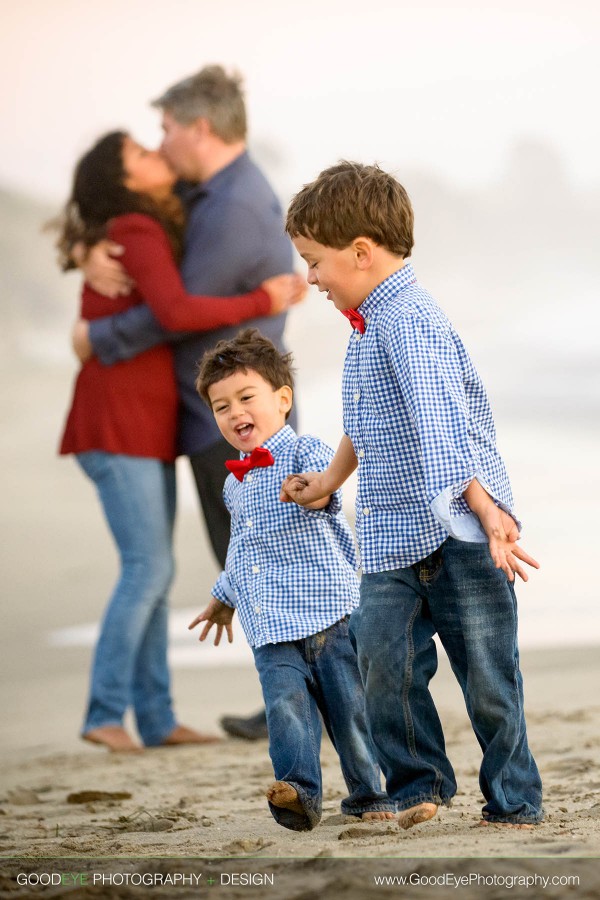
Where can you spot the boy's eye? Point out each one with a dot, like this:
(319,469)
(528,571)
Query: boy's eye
(247,397)
(219,409)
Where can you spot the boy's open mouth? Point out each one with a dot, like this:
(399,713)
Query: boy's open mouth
(244,430)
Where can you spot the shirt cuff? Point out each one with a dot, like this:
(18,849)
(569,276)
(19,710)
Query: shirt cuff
(102,340)
(332,509)
(224,592)
(452,512)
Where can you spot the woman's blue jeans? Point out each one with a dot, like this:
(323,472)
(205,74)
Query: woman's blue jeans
(299,679)
(130,662)
(458,593)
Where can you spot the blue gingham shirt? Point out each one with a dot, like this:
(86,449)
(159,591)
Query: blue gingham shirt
(421,426)
(290,572)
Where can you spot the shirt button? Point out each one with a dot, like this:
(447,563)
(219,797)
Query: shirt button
(366,511)
(257,610)
(249,477)
(361,453)
(249,523)
(357,337)
(357,395)
(255,569)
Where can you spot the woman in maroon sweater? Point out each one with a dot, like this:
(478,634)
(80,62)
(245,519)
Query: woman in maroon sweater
(122,427)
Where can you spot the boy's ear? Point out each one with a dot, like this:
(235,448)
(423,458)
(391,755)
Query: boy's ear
(363,252)
(285,398)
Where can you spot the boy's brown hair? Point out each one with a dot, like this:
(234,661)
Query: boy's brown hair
(247,350)
(350,200)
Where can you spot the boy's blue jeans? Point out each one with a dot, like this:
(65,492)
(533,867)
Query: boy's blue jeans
(130,662)
(299,679)
(458,592)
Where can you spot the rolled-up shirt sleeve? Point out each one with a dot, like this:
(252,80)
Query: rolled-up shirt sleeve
(223,591)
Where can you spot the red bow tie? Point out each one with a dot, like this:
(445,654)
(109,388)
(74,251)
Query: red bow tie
(259,458)
(355,319)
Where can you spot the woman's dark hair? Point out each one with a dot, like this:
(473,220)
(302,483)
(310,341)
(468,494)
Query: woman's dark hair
(99,194)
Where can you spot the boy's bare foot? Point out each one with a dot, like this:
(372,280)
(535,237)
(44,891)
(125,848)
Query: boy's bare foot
(181,734)
(422,812)
(522,826)
(285,796)
(377,815)
(114,737)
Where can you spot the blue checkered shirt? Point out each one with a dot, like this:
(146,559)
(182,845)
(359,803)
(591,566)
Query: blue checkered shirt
(290,572)
(421,426)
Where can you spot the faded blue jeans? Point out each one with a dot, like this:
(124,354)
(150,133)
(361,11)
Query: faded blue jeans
(130,662)
(299,679)
(458,593)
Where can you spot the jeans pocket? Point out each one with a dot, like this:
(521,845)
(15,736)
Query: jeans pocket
(428,569)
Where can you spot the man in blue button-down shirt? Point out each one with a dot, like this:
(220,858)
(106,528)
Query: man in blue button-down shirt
(290,573)
(434,515)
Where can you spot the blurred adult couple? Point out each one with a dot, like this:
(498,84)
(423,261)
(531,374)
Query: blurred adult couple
(124,425)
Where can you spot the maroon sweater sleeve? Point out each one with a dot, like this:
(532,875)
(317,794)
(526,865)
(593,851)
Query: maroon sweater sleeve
(149,261)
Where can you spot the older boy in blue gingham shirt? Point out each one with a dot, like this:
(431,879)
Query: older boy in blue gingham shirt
(291,575)
(434,512)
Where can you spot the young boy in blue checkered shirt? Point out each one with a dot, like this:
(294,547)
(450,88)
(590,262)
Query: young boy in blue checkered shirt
(434,512)
(291,575)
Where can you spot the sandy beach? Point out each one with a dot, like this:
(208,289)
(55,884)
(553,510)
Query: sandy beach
(201,811)
(197,804)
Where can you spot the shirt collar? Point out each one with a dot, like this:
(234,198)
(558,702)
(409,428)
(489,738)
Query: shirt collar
(277,441)
(190,191)
(393,284)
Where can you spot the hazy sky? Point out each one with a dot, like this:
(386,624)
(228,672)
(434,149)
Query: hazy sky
(445,86)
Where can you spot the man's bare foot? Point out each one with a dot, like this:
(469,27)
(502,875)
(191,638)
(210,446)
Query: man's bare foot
(114,737)
(181,734)
(377,815)
(422,812)
(285,796)
(522,826)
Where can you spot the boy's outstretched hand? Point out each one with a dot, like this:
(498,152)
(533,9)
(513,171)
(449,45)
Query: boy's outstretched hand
(304,489)
(216,613)
(503,535)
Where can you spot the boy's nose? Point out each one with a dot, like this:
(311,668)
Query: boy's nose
(311,277)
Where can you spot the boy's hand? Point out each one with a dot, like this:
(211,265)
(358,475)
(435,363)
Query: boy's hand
(503,535)
(216,613)
(502,532)
(308,489)
(105,273)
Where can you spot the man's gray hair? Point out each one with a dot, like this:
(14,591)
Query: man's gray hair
(210,94)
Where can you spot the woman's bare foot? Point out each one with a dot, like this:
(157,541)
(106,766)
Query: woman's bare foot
(285,796)
(422,812)
(114,737)
(522,826)
(377,815)
(181,734)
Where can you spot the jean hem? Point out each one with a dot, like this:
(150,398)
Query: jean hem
(295,821)
(514,820)
(370,807)
(424,798)
(116,723)
(153,740)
